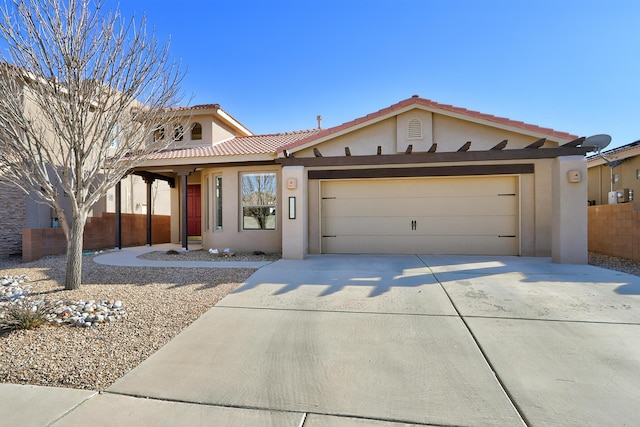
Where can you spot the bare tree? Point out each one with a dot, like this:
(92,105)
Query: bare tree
(81,92)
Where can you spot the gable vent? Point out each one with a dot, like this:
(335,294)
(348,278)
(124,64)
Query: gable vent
(414,129)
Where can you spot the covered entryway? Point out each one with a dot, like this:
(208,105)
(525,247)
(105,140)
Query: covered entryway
(476,215)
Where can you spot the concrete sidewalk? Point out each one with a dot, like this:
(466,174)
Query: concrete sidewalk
(387,341)
(128,257)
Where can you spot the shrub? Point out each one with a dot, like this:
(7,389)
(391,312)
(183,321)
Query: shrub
(24,317)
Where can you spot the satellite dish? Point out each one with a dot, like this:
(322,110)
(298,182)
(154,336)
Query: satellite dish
(598,142)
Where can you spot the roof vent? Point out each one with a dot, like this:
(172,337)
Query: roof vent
(415,96)
(414,129)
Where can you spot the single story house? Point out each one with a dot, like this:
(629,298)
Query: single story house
(617,170)
(415,177)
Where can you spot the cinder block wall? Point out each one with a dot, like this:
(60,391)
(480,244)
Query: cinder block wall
(12,203)
(99,233)
(615,230)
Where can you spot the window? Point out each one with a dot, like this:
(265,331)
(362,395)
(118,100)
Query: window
(218,201)
(178,133)
(207,221)
(414,129)
(158,134)
(115,136)
(196,131)
(259,201)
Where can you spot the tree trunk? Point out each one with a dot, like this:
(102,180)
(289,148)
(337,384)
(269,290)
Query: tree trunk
(74,253)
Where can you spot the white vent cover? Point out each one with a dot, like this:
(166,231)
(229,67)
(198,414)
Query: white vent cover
(414,129)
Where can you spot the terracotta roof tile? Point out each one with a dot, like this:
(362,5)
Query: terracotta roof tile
(436,106)
(247,145)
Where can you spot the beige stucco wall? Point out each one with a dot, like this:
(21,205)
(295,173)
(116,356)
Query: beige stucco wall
(569,210)
(451,133)
(232,235)
(600,180)
(134,197)
(362,142)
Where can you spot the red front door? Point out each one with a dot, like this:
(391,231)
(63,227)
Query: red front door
(194,213)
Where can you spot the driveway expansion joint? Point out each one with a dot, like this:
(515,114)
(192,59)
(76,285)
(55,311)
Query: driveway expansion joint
(499,380)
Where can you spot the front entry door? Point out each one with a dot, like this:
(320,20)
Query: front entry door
(194,211)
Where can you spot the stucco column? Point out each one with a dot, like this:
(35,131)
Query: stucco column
(149,181)
(569,238)
(294,230)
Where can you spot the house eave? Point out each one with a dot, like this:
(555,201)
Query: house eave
(467,156)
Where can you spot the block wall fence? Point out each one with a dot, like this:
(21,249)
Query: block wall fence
(99,233)
(615,230)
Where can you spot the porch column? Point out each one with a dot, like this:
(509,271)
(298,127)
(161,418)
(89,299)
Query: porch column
(119,215)
(294,213)
(569,239)
(183,173)
(149,181)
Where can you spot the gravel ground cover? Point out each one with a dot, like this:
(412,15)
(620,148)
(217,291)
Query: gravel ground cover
(203,255)
(160,302)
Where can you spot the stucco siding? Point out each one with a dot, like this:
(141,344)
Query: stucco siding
(361,142)
(600,179)
(232,235)
(451,133)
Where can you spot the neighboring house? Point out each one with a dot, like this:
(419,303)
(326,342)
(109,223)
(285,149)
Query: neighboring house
(416,177)
(614,170)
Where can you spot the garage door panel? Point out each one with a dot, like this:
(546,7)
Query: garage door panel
(409,188)
(452,245)
(424,226)
(411,207)
(453,215)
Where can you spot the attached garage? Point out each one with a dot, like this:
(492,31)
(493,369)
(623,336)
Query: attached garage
(420,177)
(434,215)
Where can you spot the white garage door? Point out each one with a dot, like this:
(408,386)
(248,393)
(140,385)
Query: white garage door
(462,215)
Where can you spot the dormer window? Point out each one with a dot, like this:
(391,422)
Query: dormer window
(196,131)
(414,129)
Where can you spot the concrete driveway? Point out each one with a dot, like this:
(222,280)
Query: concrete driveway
(394,340)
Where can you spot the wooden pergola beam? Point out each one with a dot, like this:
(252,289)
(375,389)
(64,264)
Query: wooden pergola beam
(534,146)
(465,147)
(500,146)
(574,143)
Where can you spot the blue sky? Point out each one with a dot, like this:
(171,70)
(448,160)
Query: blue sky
(275,65)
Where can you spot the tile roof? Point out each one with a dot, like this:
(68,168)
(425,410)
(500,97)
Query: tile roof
(433,106)
(618,150)
(247,145)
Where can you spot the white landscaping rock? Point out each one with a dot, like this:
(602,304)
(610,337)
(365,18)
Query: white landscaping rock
(79,313)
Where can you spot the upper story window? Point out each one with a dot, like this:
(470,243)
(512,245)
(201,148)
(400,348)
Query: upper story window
(178,133)
(158,134)
(414,129)
(196,131)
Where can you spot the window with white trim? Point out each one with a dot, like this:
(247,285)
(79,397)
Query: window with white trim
(217,200)
(259,196)
(196,131)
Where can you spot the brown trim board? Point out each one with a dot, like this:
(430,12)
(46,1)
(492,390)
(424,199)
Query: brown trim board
(432,158)
(523,168)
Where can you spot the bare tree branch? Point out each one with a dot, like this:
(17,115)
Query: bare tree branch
(82,90)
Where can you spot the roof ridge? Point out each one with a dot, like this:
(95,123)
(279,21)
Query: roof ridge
(437,106)
(293,132)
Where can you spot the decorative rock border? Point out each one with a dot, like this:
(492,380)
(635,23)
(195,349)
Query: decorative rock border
(14,293)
